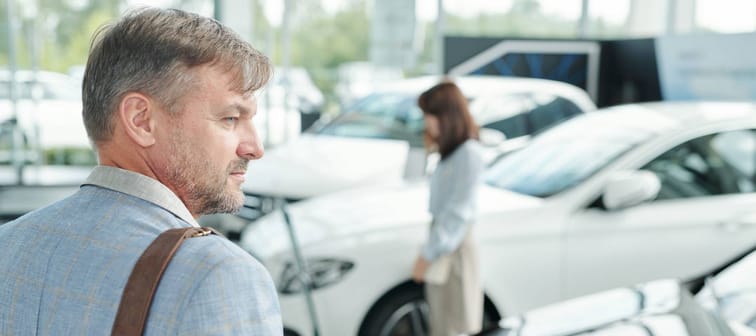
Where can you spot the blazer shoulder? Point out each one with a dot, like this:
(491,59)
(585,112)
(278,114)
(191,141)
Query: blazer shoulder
(214,251)
(232,288)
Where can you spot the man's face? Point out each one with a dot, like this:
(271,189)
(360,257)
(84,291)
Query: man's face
(208,145)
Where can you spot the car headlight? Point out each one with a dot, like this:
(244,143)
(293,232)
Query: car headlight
(321,272)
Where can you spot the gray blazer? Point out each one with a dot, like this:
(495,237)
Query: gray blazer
(63,267)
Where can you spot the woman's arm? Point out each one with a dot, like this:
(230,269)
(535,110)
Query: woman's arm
(456,207)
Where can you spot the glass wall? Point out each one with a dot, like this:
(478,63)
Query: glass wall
(725,16)
(605,19)
(333,42)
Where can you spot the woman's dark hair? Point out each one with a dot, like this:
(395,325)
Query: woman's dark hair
(446,102)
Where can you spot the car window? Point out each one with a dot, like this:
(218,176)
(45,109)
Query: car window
(381,116)
(362,126)
(512,127)
(413,119)
(565,156)
(715,164)
(549,110)
(519,114)
(388,105)
(490,108)
(503,113)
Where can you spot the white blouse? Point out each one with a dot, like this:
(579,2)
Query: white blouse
(453,199)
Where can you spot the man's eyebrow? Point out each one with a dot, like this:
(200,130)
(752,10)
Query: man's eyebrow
(243,110)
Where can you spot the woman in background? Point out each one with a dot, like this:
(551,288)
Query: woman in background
(448,261)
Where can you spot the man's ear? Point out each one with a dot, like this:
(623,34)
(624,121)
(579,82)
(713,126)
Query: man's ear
(137,115)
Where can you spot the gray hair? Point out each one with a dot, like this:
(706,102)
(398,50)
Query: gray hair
(151,51)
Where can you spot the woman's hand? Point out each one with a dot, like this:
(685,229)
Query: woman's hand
(418,272)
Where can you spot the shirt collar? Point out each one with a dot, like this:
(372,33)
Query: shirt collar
(140,186)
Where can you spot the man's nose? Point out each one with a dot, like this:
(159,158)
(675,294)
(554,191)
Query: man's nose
(250,146)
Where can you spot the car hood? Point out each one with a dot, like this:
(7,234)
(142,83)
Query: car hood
(662,307)
(316,164)
(361,211)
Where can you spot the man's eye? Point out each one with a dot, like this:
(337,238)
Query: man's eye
(231,120)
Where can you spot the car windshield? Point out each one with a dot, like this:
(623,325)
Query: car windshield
(379,115)
(565,156)
(388,105)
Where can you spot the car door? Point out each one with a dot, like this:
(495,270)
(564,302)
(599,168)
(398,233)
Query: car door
(705,213)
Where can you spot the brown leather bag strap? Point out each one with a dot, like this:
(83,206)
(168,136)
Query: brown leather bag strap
(143,281)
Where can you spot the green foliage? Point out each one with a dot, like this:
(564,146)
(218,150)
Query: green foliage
(321,42)
(61,57)
(525,19)
(61,31)
(70,156)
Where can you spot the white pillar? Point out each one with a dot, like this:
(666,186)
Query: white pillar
(237,14)
(584,19)
(647,18)
(440,37)
(683,15)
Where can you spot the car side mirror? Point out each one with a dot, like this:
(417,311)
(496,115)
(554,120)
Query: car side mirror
(490,137)
(629,188)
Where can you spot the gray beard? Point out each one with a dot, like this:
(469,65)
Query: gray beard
(205,193)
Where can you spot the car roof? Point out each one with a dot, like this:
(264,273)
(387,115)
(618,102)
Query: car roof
(681,114)
(654,119)
(475,86)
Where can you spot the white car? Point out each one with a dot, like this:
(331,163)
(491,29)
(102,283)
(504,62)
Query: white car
(278,118)
(658,308)
(729,290)
(719,303)
(45,153)
(48,115)
(379,138)
(357,79)
(301,86)
(631,194)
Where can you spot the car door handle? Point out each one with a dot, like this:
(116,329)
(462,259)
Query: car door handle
(738,224)
(747,219)
(730,226)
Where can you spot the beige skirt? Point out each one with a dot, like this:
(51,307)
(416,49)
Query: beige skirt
(456,306)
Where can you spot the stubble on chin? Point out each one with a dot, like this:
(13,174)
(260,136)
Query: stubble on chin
(204,188)
(221,196)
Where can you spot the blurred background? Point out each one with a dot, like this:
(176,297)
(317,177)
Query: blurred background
(336,49)
(329,52)
(660,184)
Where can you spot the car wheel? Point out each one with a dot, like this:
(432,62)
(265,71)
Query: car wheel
(404,312)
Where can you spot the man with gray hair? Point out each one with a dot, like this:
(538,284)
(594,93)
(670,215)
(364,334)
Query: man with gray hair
(168,104)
